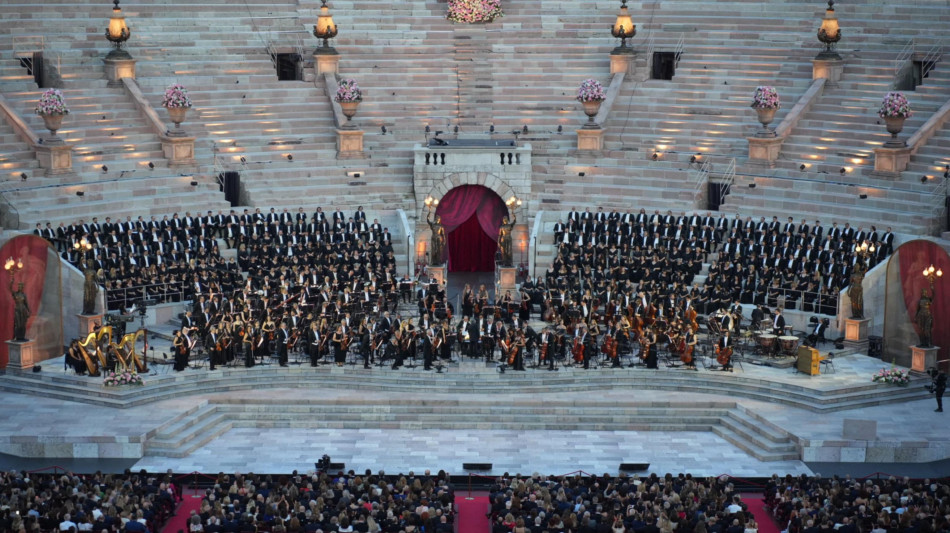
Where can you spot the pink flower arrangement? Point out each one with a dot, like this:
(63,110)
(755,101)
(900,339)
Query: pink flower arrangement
(124,377)
(176,96)
(52,102)
(348,91)
(894,105)
(590,91)
(765,97)
(474,11)
(894,375)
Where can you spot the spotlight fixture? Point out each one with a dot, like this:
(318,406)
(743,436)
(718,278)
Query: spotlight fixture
(692,159)
(863,196)
(524,129)
(582,174)
(655,156)
(151,166)
(105,169)
(802,167)
(243,160)
(194,183)
(383,129)
(290,157)
(752,185)
(80,193)
(491,128)
(843,170)
(560,128)
(428,129)
(23,176)
(455,129)
(923,179)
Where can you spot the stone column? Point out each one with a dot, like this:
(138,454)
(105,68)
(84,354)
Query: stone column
(829,69)
(116,69)
(921,358)
(507,279)
(87,323)
(349,144)
(764,151)
(179,151)
(56,159)
(890,162)
(436,273)
(590,140)
(856,333)
(22,355)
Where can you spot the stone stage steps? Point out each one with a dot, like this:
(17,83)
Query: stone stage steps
(470,378)
(181,436)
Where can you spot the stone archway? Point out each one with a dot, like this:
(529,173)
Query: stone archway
(439,187)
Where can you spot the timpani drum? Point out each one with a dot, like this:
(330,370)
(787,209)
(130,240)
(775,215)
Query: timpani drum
(767,341)
(789,344)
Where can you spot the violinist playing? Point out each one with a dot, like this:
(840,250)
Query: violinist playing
(517,347)
(688,354)
(215,349)
(648,348)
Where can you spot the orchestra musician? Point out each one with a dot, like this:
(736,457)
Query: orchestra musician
(428,349)
(339,356)
(183,346)
(283,343)
(691,340)
(724,351)
(314,343)
(778,322)
(518,344)
(648,341)
(468,301)
(74,357)
(213,343)
(365,344)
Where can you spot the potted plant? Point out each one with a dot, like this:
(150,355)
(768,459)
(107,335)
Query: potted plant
(474,11)
(765,101)
(591,94)
(894,110)
(349,95)
(122,377)
(177,102)
(52,108)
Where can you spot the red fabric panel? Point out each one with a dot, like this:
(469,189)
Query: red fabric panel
(470,249)
(32,250)
(915,256)
(458,205)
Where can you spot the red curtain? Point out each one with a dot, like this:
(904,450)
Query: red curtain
(480,208)
(32,251)
(915,256)
(470,249)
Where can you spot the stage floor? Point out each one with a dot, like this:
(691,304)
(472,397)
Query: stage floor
(534,421)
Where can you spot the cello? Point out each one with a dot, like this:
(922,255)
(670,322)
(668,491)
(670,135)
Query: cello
(578,350)
(723,355)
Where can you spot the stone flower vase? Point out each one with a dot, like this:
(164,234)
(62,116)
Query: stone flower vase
(894,126)
(591,108)
(53,122)
(177,115)
(349,111)
(766,116)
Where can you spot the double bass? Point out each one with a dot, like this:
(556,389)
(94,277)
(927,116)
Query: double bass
(513,352)
(578,350)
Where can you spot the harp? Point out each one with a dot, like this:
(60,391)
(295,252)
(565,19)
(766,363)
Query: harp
(127,354)
(95,348)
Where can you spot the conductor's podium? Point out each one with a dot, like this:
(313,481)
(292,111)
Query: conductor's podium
(809,362)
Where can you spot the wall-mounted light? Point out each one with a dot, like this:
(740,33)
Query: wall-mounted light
(752,185)
(151,166)
(290,157)
(582,174)
(656,155)
(105,169)
(802,167)
(80,193)
(194,183)
(863,196)
(23,176)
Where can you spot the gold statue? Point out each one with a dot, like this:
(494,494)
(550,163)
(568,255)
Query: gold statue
(438,238)
(504,239)
(924,319)
(856,292)
(21,312)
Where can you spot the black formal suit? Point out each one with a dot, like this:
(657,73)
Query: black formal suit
(283,340)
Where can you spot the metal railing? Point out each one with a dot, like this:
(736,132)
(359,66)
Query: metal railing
(929,61)
(9,215)
(727,179)
(700,176)
(119,299)
(651,46)
(905,54)
(678,51)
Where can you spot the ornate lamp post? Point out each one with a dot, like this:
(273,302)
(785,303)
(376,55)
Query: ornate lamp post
(82,247)
(932,275)
(325,29)
(863,251)
(829,33)
(623,29)
(117,33)
(13,267)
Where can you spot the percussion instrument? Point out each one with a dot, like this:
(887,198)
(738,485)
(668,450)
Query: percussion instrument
(789,344)
(767,340)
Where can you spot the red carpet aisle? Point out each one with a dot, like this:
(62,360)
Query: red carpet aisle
(180,520)
(471,518)
(762,517)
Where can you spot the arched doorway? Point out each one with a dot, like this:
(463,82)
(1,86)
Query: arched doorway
(471,216)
